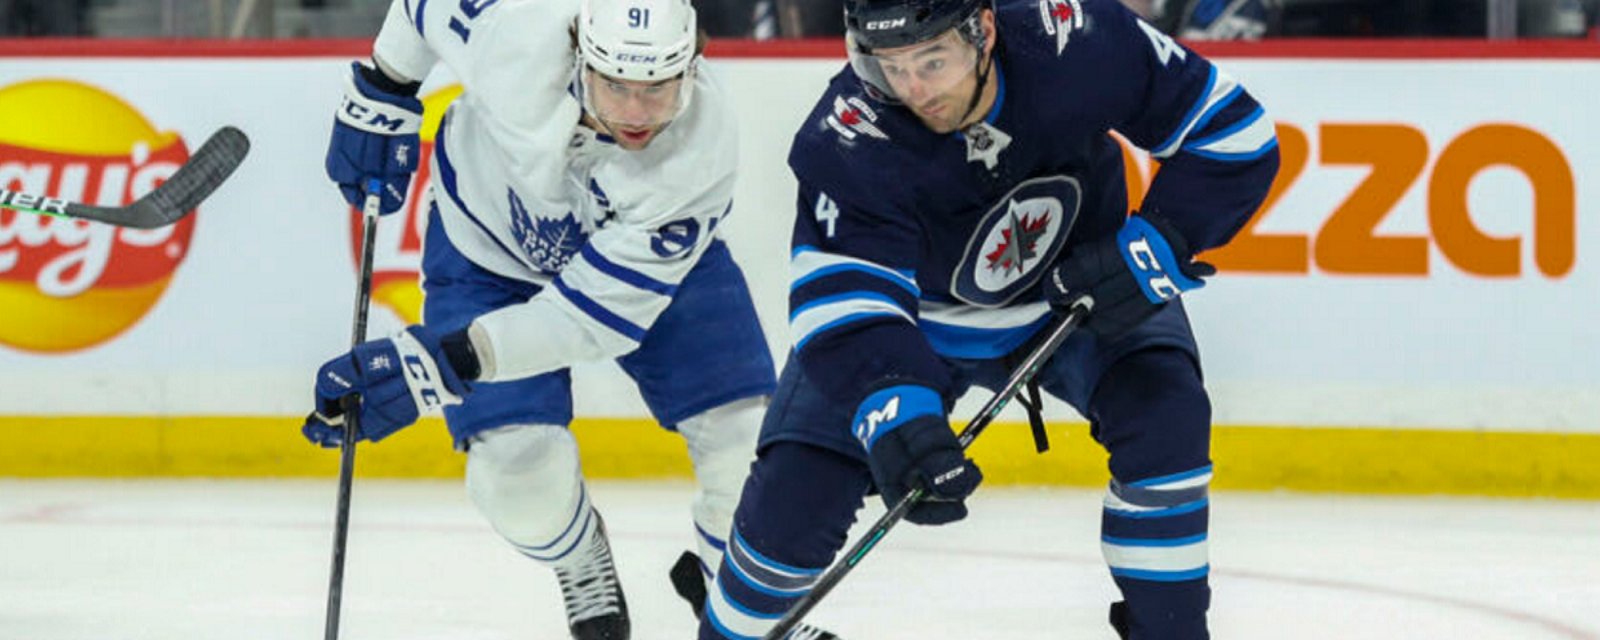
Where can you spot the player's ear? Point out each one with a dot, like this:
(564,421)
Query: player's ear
(990,34)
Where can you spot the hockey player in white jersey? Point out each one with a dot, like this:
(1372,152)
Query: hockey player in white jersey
(579,184)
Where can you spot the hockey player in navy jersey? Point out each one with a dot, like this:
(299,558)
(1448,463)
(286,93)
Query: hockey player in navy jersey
(957,182)
(573,216)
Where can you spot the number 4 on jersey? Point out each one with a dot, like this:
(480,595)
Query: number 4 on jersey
(1165,47)
(827,212)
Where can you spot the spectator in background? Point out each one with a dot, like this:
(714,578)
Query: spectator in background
(1210,19)
(767,19)
(60,18)
(1554,18)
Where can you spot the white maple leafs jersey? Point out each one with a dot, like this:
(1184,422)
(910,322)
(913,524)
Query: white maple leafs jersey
(525,191)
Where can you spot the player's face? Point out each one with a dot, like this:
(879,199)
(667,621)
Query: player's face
(633,111)
(934,79)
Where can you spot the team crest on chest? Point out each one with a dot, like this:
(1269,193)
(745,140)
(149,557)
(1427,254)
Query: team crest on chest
(1013,242)
(549,243)
(852,117)
(1061,18)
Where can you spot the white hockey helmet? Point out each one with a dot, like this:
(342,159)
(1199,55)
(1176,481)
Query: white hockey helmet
(638,41)
(641,40)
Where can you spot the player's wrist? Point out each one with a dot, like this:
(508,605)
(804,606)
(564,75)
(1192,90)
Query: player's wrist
(379,77)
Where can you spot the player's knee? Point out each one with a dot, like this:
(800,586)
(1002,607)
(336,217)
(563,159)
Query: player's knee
(1153,415)
(525,479)
(799,504)
(722,444)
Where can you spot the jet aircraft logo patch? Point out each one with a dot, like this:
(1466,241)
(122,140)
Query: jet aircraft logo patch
(1021,234)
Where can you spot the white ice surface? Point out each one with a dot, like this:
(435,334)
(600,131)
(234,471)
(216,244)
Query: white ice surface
(167,560)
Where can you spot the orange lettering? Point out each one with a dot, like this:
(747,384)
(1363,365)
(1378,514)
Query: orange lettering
(1278,252)
(1554,202)
(1347,242)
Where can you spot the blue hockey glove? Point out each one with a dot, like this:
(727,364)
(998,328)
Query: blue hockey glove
(909,444)
(398,380)
(375,137)
(1129,275)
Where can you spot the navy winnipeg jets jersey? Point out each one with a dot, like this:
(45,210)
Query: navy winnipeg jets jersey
(912,245)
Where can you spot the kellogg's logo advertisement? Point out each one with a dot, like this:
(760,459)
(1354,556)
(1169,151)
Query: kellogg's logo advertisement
(68,285)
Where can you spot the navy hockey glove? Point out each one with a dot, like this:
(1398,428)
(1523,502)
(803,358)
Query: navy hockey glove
(909,444)
(398,379)
(375,137)
(1128,275)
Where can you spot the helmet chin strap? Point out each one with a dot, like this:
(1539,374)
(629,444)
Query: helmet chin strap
(977,92)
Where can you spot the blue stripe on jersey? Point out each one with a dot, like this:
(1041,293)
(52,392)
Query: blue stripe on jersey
(809,263)
(1172,478)
(977,343)
(1153,542)
(849,319)
(745,550)
(903,280)
(1162,576)
(422,6)
(1248,156)
(1240,125)
(1199,103)
(1205,118)
(1173,523)
(625,274)
(611,320)
(447,177)
(407,6)
(1167,512)
(841,300)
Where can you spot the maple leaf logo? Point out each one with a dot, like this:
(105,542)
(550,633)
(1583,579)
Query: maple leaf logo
(548,242)
(1018,243)
(1062,12)
(851,117)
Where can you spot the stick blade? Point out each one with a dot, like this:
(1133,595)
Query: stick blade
(206,170)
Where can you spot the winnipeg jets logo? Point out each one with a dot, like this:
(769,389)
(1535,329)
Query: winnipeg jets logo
(1013,242)
(549,243)
(1061,18)
(1019,240)
(852,117)
(984,144)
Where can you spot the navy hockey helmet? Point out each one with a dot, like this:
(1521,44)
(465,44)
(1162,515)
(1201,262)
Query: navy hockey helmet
(875,26)
(887,24)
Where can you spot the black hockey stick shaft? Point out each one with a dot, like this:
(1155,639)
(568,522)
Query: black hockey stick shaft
(169,202)
(1019,378)
(352,417)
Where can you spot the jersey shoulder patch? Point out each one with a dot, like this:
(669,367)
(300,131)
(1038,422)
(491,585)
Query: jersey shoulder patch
(1061,18)
(852,117)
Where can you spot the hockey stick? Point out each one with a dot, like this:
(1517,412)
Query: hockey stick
(206,169)
(352,415)
(1019,378)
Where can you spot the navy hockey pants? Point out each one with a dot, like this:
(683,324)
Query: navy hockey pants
(1147,408)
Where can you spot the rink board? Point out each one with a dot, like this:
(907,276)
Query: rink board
(1412,311)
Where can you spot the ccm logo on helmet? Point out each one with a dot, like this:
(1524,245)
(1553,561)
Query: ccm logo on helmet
(635,58)
(879,25)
